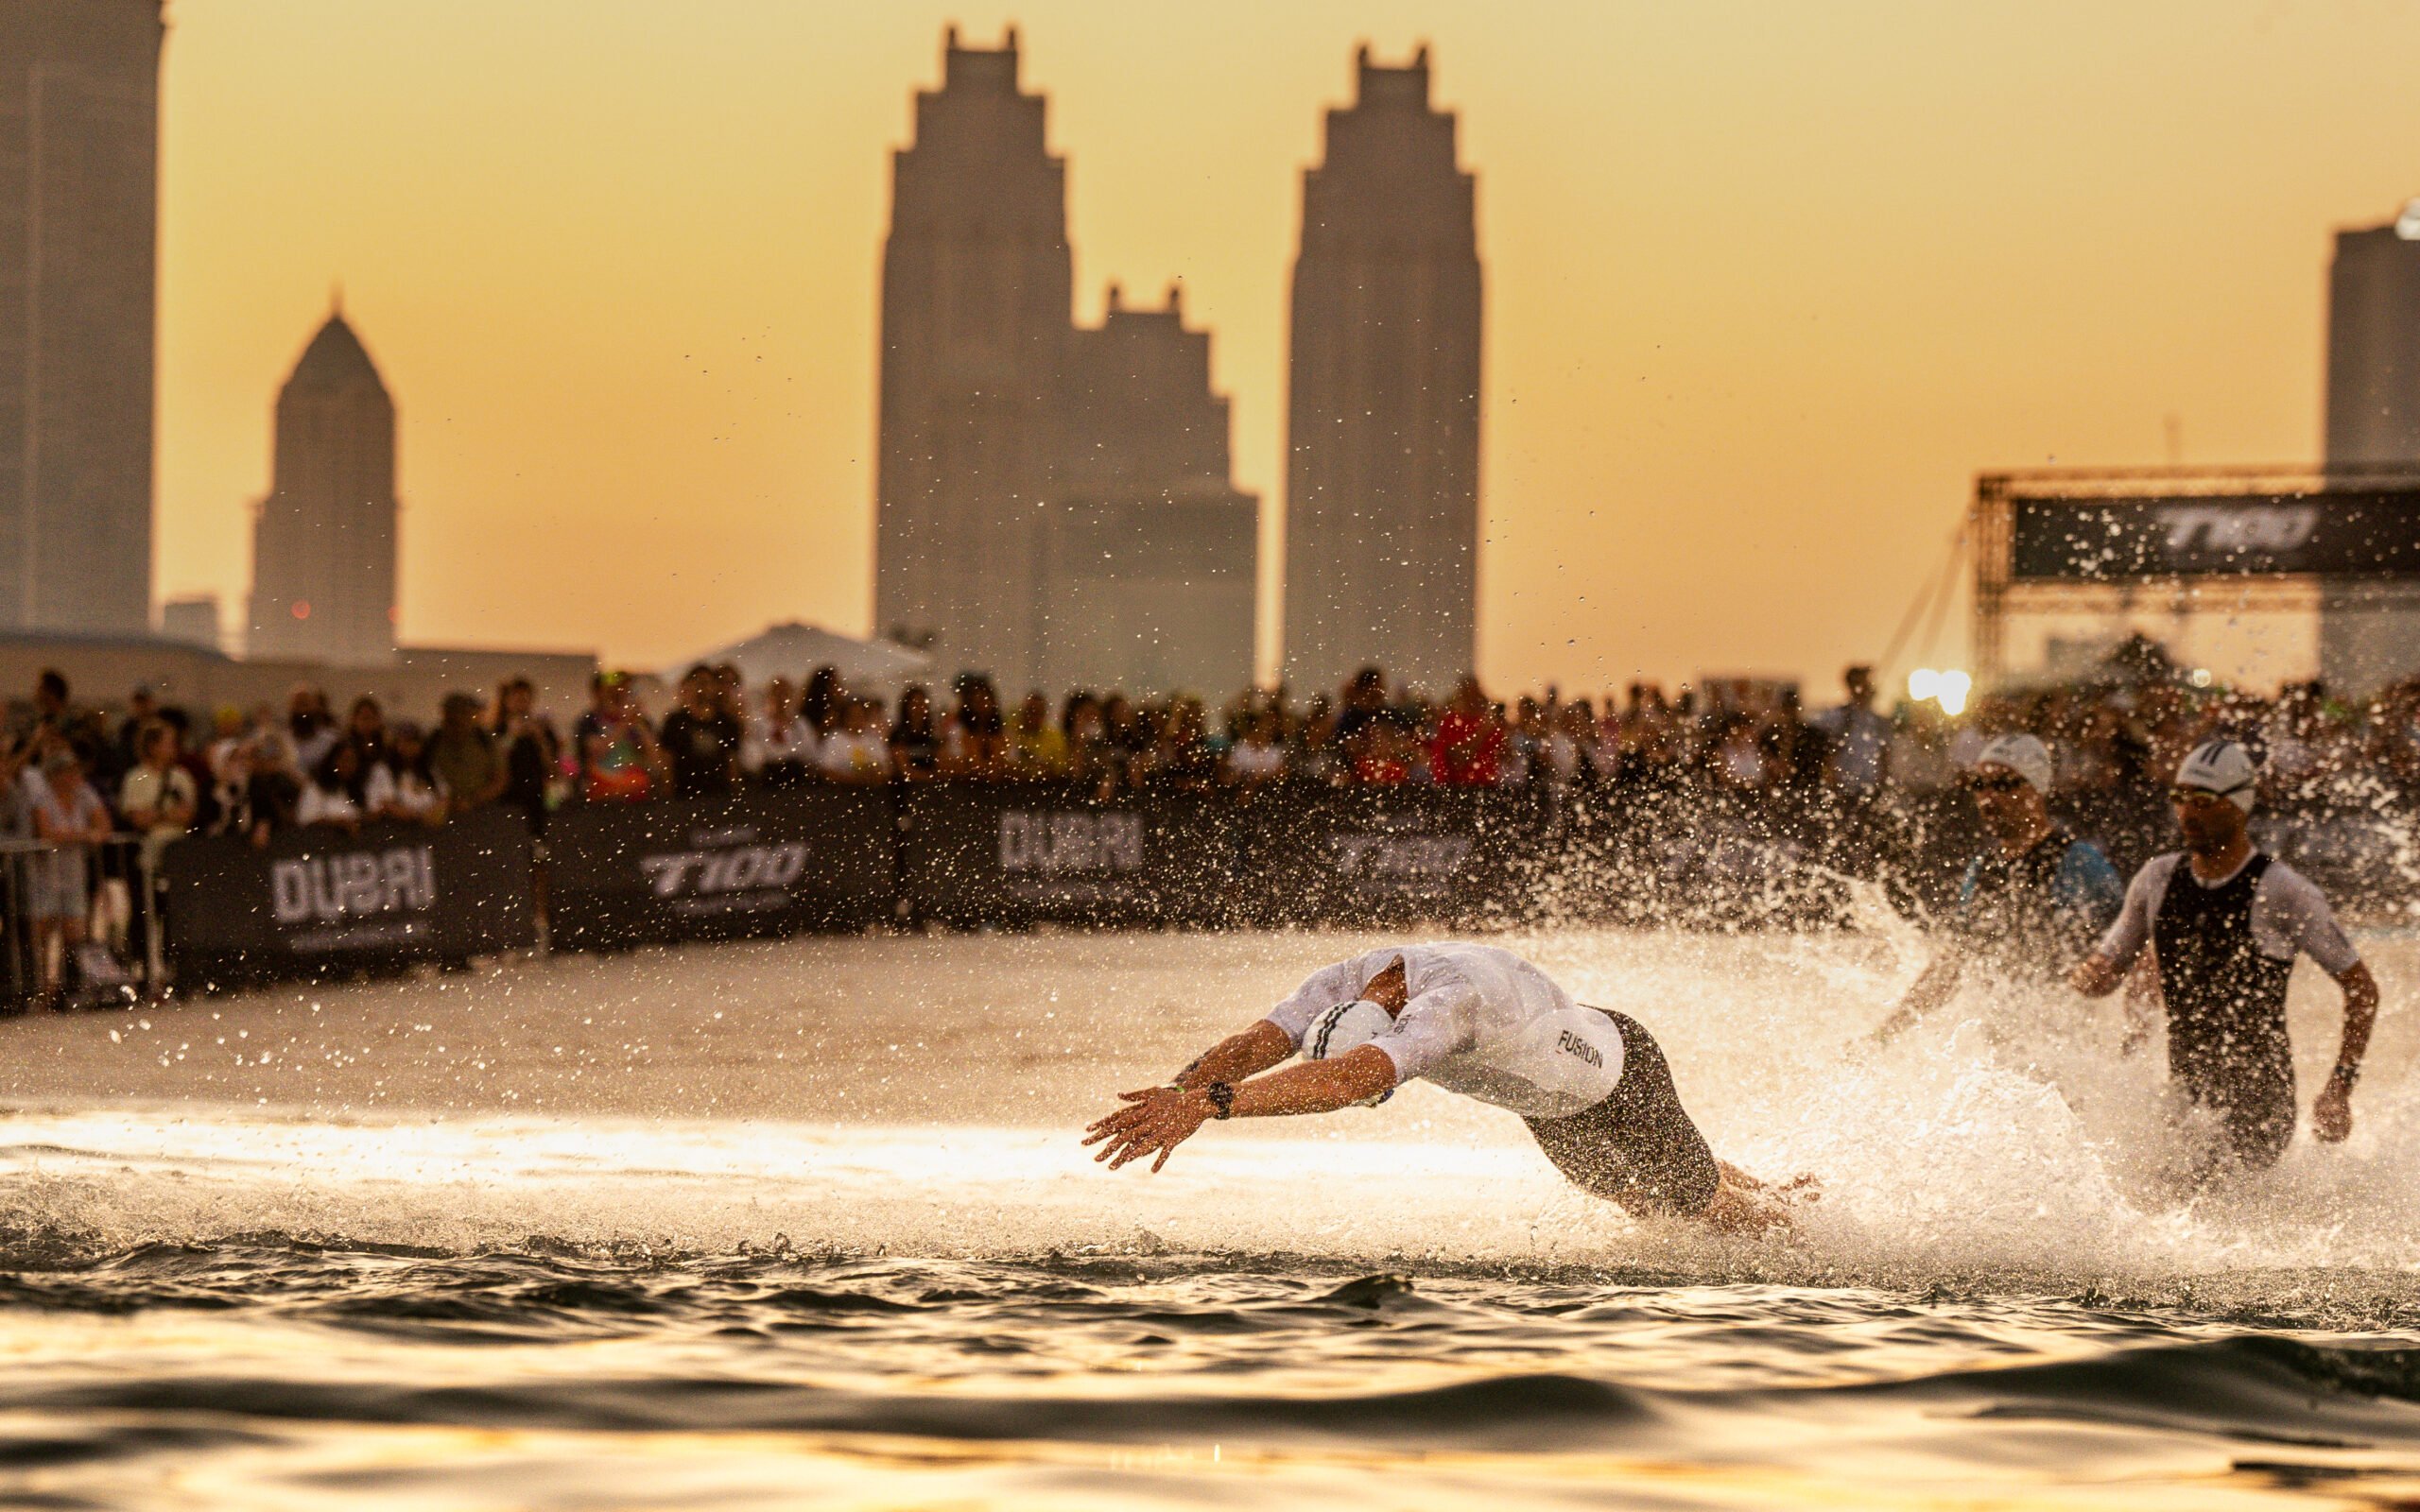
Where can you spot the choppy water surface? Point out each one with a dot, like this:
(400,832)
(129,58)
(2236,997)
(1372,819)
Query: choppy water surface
(624,1242)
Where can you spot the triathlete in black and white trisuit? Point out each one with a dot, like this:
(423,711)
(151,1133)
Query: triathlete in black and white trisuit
(2225,947)
(2224,923)
(1592,1085)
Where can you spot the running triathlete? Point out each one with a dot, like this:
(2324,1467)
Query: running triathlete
(2224,922)
(2033,901)
(1590,1084)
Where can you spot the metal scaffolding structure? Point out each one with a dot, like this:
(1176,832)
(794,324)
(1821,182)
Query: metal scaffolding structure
(2181,542)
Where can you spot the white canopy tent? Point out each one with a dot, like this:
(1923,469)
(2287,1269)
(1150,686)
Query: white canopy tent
(793,649)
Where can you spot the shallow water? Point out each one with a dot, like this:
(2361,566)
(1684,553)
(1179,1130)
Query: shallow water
(806,1223)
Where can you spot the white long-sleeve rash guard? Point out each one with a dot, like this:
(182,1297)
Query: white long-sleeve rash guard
(1480,1021)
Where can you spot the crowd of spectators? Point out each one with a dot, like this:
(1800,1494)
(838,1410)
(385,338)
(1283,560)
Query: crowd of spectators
(159,772)
(77,777)
(1735,736)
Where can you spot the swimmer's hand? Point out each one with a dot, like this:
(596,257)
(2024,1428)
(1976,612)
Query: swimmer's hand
(1154,1120)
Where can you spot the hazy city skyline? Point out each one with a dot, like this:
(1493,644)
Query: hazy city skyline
(1763,297)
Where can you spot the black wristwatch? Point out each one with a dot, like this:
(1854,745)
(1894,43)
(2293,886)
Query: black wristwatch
(1223,1097)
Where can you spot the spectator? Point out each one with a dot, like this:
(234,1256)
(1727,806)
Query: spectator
(825,702)
(1572,747)
(975,743)
(254,790)
(310,726)
(782,747)
(701,739)
(1380,754)
(1125,734)
(1259,757)
(915,746)
(158,796)
(619,758)
(159,800)
(464,760)
(1854,738)
(126,751)
(71,818)
(1318,758)
(1737,760)
(1182,756)
(1091,759)
(1365,699)
(857,751)
(416,794)
(366,731)
(533,752)
(52,712)
(1468,747)
(344,790)
(1037,747)
(731,695)
(191,758)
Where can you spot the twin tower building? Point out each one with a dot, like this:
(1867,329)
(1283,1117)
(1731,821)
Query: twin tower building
(1055,503)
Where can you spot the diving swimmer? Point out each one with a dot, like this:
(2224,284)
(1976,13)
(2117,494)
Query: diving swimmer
(1591,1083)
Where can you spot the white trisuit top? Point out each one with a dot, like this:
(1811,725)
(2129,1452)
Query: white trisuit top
(1480,1021)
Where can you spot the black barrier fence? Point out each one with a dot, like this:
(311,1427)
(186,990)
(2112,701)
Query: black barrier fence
(762,863)
(1347,856)
(316,898)
(1026,853)
(1020,854)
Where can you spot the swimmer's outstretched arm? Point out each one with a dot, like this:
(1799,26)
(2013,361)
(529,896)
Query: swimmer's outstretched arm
(1239,1056)
(1156,1120)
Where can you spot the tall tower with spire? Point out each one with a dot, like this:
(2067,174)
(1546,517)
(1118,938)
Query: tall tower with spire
(80,130)
(1383,411)
(977,295)
(324,546)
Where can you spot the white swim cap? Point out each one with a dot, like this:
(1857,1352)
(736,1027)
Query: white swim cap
(2020,754)
(1345,1028)
(2224,768)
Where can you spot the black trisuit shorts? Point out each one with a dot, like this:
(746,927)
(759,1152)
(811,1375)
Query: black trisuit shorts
(1638,1146)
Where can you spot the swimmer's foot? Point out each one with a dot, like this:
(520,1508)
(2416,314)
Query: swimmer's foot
(1744,1205)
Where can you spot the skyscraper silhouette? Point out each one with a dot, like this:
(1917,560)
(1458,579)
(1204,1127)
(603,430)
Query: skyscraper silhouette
(1053,503)
(2369,632)
(324,547)
(1383,414)
(2374,344)
(977,290)
(78,214)
(1149,555)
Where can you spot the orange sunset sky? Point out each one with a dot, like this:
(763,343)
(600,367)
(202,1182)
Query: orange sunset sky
(1768,283)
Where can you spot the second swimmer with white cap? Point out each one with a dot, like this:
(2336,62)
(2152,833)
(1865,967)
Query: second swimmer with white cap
(2033,899)
(1592,1085)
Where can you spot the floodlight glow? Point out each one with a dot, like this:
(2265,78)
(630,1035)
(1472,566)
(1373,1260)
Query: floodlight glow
(1945,686)
(1954,687)
(2201,676)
